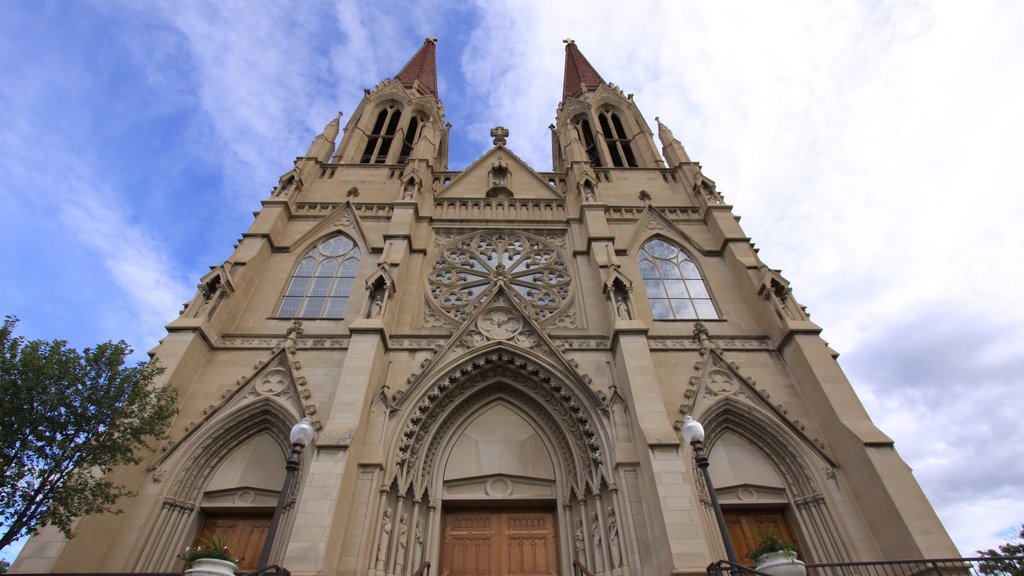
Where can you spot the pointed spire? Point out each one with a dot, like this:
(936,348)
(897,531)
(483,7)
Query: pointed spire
(422,68)
(578,71)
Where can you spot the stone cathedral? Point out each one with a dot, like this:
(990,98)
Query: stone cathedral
(497,361)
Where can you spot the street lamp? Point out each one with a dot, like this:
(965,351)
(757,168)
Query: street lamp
(693,434)
(302,434)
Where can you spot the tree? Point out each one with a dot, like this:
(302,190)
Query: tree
(67,419)
(1000,565)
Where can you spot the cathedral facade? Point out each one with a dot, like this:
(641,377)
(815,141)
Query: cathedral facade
(497,361)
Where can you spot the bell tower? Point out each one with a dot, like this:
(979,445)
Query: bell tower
(597,123)
(401,120)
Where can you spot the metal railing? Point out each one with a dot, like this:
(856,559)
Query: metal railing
(423,570)
(985,566)
(581,570)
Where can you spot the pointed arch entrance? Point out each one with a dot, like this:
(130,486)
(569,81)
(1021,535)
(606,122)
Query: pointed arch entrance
(502,444)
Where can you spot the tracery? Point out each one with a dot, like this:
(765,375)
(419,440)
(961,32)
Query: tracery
(470,266)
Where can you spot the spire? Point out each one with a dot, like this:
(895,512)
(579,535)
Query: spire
(578,71)
(422,68)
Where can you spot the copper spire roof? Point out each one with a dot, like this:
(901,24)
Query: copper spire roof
(578,71)
(422,67)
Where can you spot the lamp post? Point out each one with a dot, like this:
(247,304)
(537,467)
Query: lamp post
(693,434)
(302,434)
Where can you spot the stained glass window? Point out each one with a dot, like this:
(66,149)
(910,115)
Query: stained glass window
(323,280)
(673,283)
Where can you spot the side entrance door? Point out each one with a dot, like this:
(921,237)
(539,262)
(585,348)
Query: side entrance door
(499,542)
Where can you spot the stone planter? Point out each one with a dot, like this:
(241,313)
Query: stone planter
(211,567)
(780,564)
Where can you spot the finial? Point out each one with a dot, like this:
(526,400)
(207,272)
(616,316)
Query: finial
(568,41)
(499,133)
(432,39)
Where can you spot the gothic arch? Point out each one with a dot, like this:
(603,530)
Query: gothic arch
(178,519)
(566,405)
(821,536)
(566,416)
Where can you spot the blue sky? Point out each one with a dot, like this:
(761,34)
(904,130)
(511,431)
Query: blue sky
(873,150)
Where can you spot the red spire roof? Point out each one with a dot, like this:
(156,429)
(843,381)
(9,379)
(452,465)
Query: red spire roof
(422,67)
(578,71)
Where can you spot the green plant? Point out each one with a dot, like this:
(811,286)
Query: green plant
(214,548)
(768,543)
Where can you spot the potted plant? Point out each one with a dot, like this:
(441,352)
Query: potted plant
(776,556)
(212,559)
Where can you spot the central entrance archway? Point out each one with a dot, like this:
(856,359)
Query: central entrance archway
(499,542)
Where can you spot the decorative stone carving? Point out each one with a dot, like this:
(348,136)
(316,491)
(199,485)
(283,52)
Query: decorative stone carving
(273,382)
(499,323)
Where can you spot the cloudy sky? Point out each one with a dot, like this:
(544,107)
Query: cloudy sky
(874,150)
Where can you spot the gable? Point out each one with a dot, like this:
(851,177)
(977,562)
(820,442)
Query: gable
(485,175)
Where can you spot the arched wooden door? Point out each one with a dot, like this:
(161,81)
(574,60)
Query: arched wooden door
(499,542)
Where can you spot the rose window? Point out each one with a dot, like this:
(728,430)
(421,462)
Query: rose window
(470,266)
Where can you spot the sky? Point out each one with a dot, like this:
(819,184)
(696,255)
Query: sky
(873,150)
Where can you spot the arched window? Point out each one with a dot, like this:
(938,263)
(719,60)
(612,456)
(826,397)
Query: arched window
(410,139)
(589,142)
(379,139)
(673,283)
(323,280)
(617,140)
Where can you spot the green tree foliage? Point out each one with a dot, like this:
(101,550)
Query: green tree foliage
(68,419)
(1000,565)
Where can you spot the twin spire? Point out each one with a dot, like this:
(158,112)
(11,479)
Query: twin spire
(422,68)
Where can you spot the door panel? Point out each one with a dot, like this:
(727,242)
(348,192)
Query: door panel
(499,543)
(747,528)
(244,535)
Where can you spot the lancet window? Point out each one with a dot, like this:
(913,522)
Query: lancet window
(378,141)
(617,140)
(673,283)
(410,139)
(471,265)
(589,142)
(322,282)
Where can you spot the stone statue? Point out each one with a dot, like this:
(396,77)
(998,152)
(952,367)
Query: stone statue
(403,528)
(595,523)
(579,537)
(377,304)
(613,538)
(385,539)
(621,308)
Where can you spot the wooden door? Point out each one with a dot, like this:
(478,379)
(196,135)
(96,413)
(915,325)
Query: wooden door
(499,543)
(244,535)
(747,528)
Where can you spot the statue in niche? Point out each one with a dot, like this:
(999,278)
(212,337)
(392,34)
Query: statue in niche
(579,537)
(613,538)
(385,539)
(409,189)
(622,308)
(376,303)
(417,551)
(595,523)
(588,191)
(403,528)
